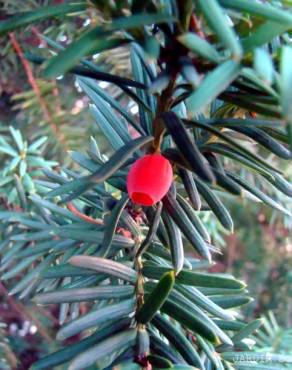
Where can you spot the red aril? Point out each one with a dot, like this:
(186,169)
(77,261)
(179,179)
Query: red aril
(149,179)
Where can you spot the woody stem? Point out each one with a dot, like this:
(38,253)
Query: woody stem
(163,105)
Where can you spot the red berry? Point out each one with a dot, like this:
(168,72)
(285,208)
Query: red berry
(149,179)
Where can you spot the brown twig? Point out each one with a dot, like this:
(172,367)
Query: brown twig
(163,105)
(46,113)
(84,217)
(38,34)
(195,24)
(55,91)
(21,310)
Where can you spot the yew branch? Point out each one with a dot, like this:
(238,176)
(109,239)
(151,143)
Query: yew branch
(46,113)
